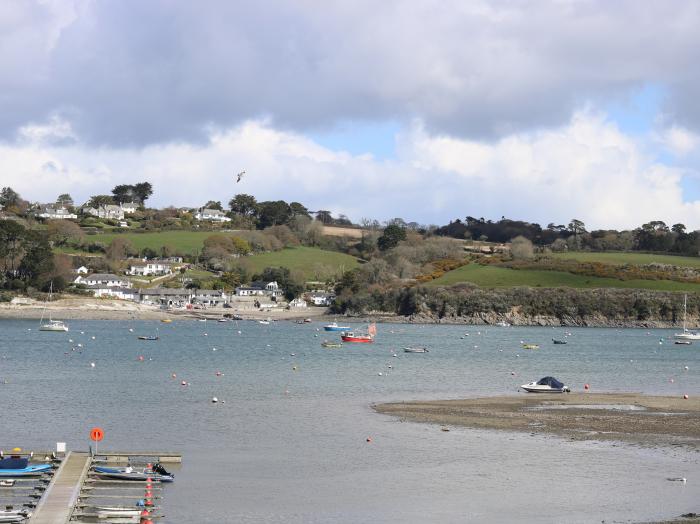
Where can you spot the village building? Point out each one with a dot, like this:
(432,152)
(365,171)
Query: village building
(210,297)
(104,280)
(105,211)
(129,207)
(150,268)
(123,293)
(260,289)
(212,215)
(167,296)
(321,298)
(298,303)
(55,212)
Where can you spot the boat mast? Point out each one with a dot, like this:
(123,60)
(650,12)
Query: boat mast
(685,307)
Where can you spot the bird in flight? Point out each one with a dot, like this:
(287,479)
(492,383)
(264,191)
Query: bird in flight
(239,176)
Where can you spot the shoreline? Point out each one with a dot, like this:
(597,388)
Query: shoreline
(84,308)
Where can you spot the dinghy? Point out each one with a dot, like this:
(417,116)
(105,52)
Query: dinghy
(15,467)
(415,350)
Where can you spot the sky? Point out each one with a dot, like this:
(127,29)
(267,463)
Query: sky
(429,110)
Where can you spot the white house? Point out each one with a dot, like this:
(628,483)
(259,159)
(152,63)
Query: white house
(150,268)
(123,293)
(166,296)
(104,280)
(210,297)
(298,303)
(213,215)
(82,270)
(106,211)
(249,291)
(55,212)
(321,299)
(129,207)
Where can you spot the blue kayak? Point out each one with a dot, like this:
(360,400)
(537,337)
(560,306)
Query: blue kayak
(35,470)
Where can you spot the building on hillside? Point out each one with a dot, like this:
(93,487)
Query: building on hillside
(129,207)
(123,293)
(82,270)
(270,289)
(212,215)
(105,211)
(54,212)
(103,279)
(148,268)
(249,291)
(298,303)
(321,298)
(166,296)
(210,297)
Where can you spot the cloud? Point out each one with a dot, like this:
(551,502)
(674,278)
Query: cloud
(586,169)
(133,73)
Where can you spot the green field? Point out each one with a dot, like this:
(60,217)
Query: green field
(313,263)
(629,258)
(492,277)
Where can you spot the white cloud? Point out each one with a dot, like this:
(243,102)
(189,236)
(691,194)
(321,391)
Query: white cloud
(679,141)
(587,169)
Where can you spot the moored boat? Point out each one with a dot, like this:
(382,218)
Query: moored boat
(149,337)
(157,473)
(13,515)
(366,338)
(414,349)
(329,344)
(16,466)
(557,341)
(682,342)
(531,346)
(686,334)
(546,385)
(51,325)
(333,326)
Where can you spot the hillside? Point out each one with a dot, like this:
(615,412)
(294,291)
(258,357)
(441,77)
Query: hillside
(629,258)
(180,241)
(313,263)
(497,277)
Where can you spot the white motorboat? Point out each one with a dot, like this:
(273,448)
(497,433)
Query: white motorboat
(14,515)
(413,349)
(687,334)
(546,385)
(51,325)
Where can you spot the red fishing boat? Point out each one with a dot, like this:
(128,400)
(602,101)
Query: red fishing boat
(366,338)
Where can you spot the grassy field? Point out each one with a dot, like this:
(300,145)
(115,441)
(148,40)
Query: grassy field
(630,258)
(493,277)
(314,263)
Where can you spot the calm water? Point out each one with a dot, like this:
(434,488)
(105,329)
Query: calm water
(290,445)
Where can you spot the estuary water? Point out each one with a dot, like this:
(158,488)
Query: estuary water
(287,441)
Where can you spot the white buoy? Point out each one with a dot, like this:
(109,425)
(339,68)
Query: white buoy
(92,364)
(93,338)
(214,400)
(82,332)
(292,354)
(213,349)
(70,340)
(380,374)
(686,368)
(131,330)
(206,335)
(394,355)
(80,345)
(239,331)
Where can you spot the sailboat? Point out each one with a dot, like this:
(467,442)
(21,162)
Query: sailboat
(51,325)
(686,335)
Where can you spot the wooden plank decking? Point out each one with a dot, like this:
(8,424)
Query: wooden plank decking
(57,503)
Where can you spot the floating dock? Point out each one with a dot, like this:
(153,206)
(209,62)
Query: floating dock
(72,492)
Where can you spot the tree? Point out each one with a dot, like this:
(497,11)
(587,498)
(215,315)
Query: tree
(576,227)
(143,191)
(324,216)
(119,249)
(213,204)
(679,229)
(123,193)
(9,197)
(298,210)
(100,200)
(65,199)
(243,204)
(11,244)
(521,249)
(63,231)
(273,213)
(391,237)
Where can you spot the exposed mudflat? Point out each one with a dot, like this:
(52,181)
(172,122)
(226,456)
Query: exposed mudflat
(629,417)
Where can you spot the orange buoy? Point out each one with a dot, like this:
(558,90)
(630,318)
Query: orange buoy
(586,387)
(369,439)
(141,358)
(685,397)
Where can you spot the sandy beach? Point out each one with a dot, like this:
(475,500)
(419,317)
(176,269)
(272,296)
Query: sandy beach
(629,417)
(111,309)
